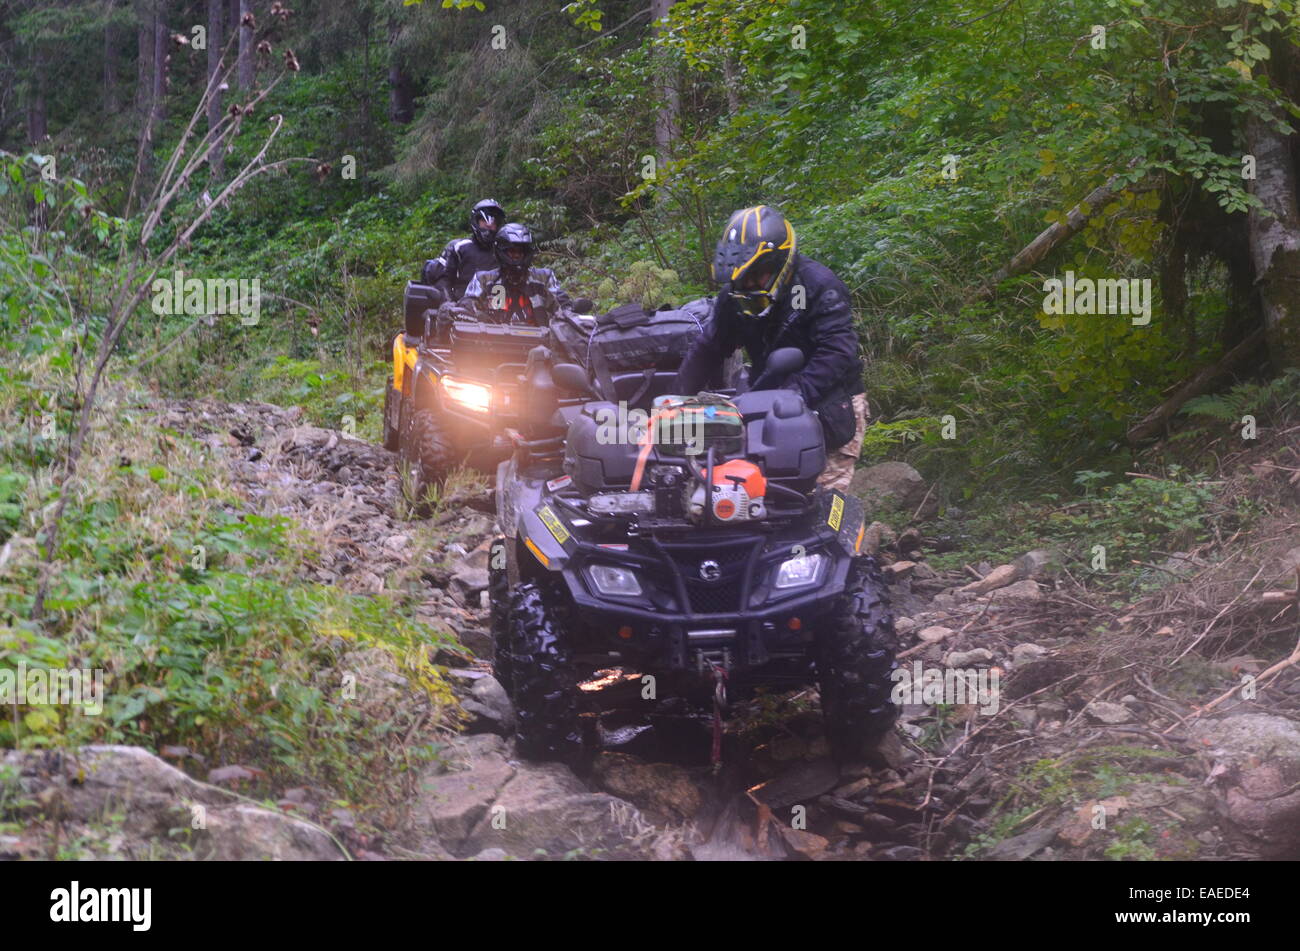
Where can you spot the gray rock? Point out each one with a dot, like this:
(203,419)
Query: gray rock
(155,798)
(802,784)
(489,702)
(1041,563)
(660,789)
(980,655)
(1026,653)
(246,833)
(1026,590)
(1020,847)
(469,578)
(893,485)
(449,804)
(546,807)
(1105,712)
(1261,756)
(491,855)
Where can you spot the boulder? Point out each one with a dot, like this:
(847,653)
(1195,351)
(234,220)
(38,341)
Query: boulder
(545,807)
(1026,590)
(663,790)
(490,706)
(156,801)
(893,485)
(1258,758)
(451,801)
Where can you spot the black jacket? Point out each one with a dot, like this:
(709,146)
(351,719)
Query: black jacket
(822,329)
(452,270)
(535,301)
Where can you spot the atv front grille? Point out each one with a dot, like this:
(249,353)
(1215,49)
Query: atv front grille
(719,595)
(722,598)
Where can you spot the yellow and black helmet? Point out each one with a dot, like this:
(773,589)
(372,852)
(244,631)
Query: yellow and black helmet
(755,258)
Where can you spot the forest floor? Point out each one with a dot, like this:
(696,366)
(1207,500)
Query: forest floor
(1111,733)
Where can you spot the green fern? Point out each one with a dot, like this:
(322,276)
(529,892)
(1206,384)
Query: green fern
(1246,398)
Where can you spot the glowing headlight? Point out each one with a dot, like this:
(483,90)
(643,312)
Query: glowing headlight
(473,396)
(797,572)
(617,582)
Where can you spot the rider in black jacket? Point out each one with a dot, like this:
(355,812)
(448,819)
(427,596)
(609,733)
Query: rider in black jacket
(462,258)
(773,297)
(513,291)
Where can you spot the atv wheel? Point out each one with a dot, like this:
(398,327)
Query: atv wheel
(499,606)
(855,658)
(392,408)
(545,691)
(426,458)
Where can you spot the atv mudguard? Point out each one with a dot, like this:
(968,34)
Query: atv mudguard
(846,517)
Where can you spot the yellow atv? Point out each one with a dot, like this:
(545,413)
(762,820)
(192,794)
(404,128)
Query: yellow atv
(454,391)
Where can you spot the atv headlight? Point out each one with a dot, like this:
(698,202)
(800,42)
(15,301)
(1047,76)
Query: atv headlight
(473,396)
(797,572)
(614,581)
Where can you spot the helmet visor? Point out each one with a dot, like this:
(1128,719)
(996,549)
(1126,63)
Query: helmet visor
(753,291)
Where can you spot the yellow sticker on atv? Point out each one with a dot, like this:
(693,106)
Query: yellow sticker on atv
(837,512)
(553,524)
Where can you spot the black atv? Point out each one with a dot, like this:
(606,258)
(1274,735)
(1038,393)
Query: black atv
(454,390)
(700,552)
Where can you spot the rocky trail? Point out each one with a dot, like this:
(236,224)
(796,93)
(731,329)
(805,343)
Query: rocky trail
(1071,758)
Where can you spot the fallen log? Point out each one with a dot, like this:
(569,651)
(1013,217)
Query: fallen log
(1054,235)
(1153,423)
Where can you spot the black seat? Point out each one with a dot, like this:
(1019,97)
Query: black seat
(631,387)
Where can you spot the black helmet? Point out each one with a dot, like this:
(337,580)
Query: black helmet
(755,258)
(515,250)
(484,212)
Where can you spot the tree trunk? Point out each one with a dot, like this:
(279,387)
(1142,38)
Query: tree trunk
(401,95)
(1173,276)
(1052,236)
(247,68)
(111,102)
(160,58)
(37,117)
(1275,241)
(144,71)
(731,82)
(666,126)
(216,42)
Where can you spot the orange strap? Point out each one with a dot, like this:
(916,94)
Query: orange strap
(646,442)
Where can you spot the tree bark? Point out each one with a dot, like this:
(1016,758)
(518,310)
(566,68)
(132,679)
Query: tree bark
(666,118)
(401,95)
(160,58)
(247,68)
(1275,241)
(216,42)
(144,87)
(1053,236)
(111,101)
(731,82)
(37,116)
